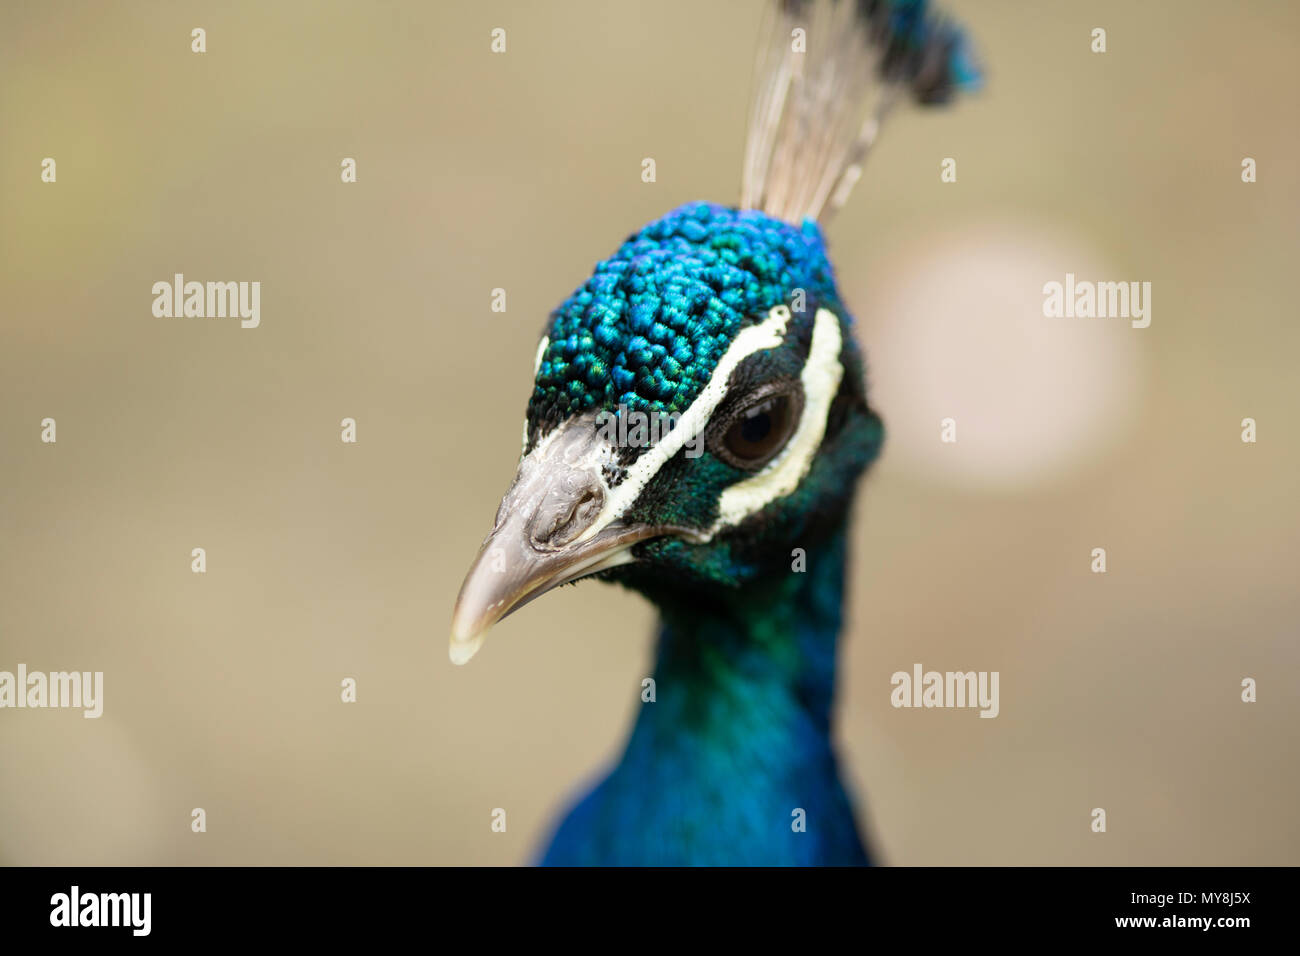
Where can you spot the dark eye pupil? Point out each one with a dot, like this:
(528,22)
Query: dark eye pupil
(756,425)
(759,431)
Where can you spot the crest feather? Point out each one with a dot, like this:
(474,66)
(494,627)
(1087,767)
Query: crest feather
(821,95)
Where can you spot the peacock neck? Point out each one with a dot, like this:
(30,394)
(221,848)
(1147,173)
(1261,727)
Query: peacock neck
(732,761)
(725,659)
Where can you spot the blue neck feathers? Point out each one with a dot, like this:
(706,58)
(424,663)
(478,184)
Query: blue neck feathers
(732,762)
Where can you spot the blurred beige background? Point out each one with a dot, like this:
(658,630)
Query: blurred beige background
(519,171)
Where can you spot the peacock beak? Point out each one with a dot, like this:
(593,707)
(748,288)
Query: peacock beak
(552,528)
(511,570)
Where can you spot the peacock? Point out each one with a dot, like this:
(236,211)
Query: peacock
(725,325)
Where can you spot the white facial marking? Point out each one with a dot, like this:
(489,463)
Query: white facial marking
(821,380)
(821,377)
(537,367)
(768,334)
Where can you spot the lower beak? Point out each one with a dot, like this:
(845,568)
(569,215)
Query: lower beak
(510,571)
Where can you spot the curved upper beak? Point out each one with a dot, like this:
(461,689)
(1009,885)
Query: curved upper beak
(552,528)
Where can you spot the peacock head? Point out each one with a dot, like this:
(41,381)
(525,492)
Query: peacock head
(698,410)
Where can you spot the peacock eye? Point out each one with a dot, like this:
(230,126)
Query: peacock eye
(751,436)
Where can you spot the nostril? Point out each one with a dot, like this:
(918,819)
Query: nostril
(564,516)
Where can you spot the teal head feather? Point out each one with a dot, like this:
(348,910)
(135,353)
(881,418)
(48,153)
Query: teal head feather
(724,329)
(647,329)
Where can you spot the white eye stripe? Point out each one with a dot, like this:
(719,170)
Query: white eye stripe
(821,377)
(768,334)
(537,367)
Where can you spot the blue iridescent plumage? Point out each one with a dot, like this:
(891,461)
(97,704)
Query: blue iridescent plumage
(733,763)
(729,320)
(648,327)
